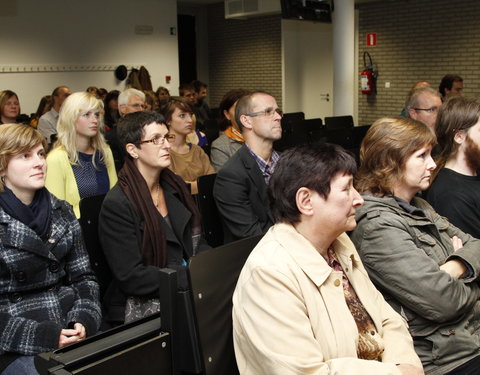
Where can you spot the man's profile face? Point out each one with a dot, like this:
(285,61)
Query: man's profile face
(457,89)
(427,109)
(135,104)
(266,126)
(190,95)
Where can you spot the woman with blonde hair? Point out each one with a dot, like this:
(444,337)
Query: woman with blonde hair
(48,293)
(427,269)
(81,163)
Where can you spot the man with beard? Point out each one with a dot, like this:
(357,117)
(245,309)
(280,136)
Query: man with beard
(455,191)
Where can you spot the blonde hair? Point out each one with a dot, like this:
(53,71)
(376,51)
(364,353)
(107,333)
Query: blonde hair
(15,139)
(72,108)
(388,144)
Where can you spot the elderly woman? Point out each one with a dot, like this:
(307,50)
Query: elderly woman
(303,302)
(81,163)
(188,160)
(48,293)
(148,220)
(426,268)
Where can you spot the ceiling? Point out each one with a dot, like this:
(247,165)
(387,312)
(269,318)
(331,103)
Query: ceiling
(205,2)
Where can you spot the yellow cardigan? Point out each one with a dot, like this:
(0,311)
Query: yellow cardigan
(61,181)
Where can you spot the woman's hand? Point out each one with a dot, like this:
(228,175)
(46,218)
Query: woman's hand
(457,243)
(455,267)
(69,336)
(407,369)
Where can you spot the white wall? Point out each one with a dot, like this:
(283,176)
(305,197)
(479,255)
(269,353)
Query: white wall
(86,33)
(307,68)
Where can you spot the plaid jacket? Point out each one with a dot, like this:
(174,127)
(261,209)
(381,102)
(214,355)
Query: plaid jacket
(44,285)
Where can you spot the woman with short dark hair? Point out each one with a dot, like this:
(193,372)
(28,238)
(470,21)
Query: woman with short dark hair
(426,268)
(303,302)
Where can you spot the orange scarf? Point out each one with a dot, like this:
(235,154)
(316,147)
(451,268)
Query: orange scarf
(233,133)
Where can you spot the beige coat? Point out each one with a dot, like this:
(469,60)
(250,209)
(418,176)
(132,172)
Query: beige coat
(290,314)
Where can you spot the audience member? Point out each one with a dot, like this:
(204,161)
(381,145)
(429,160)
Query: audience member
(102,93)
(289,314)
(163,95)
(455,191)
(151,101)
(414,86)
(188,160)
(422,104)
(43,107)
(94,91)
(231,139)
(47,124)
(240,188)
(112,115)
(196,137)
(129,101)
(148,220)
(426,268)
(202,110)
(81,163)
(9,107)
(451,84)
(48,293)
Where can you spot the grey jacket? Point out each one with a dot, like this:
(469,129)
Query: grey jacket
(222,149)
(402,251)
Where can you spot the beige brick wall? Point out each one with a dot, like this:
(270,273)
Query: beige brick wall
(418,40)
(243,54)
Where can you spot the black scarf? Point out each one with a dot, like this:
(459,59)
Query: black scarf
(36,215)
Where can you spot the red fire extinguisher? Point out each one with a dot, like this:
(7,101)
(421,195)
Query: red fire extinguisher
(368,76)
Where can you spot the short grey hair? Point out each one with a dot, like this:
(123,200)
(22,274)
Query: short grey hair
(126,94)
(414,95)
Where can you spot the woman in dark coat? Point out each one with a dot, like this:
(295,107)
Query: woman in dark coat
(48,293)
(148,219)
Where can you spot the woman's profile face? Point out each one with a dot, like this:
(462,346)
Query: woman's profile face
(181,122)
(416,174)
(87,123)
(336,213)
(230,115)
(26,172)
(11,109)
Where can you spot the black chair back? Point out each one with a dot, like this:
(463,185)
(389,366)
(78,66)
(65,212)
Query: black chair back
(214,274)
(89,212)
(339,122)
(211,221)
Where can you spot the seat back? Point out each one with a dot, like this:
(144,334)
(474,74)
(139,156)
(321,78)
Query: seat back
(89,212)
(211,221)
(214,274)
(339,122)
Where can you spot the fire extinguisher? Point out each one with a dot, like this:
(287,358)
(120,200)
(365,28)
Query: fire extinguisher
(368,76)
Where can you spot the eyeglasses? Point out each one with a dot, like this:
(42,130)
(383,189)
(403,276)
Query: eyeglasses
(428,110)
(138,106)
(268,112)
(160,140)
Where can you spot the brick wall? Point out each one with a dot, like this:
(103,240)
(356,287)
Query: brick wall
(243,54)
(418,40)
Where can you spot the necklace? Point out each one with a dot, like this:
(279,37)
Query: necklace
(155,202)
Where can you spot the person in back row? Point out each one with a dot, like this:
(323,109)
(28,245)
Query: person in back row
(422,104)
(455,191)
(426,268)
(240,188)
(47,124)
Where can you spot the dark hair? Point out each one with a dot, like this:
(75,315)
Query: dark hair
(109,118)
(185,86)
(229,99)
(447,82)
(130,128)
(456,114)
(310,165)
(56,90)
(388,144)
(198,85)
(44,106)
(175,102)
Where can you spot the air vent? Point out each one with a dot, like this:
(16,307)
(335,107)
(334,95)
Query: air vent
(251,8)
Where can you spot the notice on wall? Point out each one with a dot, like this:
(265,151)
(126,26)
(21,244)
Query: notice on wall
(371,39)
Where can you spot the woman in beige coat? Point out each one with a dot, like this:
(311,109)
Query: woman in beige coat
(304,303)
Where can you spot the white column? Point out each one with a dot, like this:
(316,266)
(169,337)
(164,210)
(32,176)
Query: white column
(343,57)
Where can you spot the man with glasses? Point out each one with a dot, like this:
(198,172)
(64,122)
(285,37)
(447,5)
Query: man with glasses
(240,189)
(47,124)
(422,104)
(129,101)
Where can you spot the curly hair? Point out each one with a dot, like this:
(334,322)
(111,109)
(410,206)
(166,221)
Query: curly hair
(388,144)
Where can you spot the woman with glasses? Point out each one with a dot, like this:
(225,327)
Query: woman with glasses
(188,160)
(80,164)
(148,220)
